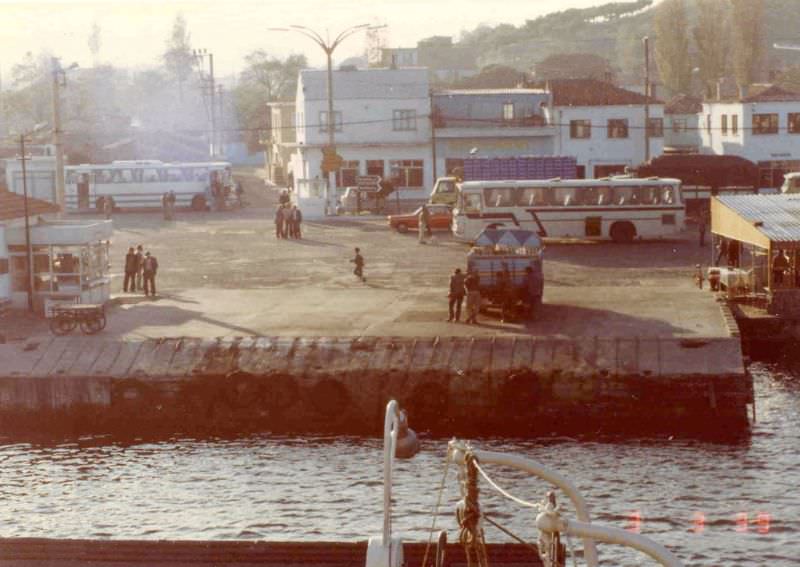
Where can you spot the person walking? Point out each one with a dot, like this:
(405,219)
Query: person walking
(472,284)
(131,266)
(456,295)
(139,264)
(149,270)
(279,221)
(358,260)
(702,224)
(424,224)
(108,207)
(297,218)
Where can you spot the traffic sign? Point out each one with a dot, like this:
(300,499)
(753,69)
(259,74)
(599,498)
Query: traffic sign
(368,182)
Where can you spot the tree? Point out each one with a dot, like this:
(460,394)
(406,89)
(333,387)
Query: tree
(672,46)
(493,77)
(711,39)
(178,57)
(747,33)
(264,79)
(95,42)
(574,66)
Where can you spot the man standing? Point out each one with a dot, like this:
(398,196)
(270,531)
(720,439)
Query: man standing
(358,260)
(702,224)
(139,264)
(279,221)
(424,224)
(779,265)
(472,284)
(149,269)
(131,266)
(456,295)
(297,218)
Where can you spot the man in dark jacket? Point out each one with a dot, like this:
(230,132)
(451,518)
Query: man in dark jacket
(456,295)
(149,269)
(131,266)
(472,284)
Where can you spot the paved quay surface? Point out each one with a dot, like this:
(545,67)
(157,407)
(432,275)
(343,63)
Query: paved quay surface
(225,274)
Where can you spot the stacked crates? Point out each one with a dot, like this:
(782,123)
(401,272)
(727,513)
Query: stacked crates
(524,167)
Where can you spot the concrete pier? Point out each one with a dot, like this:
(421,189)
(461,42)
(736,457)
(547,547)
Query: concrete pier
(454,385)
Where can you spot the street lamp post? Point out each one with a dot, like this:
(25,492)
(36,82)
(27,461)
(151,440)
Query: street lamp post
(646,45)
(328,47)
(59,79)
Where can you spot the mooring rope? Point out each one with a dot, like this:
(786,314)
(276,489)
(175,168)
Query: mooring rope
(505,493)
(468,514)
(436,508)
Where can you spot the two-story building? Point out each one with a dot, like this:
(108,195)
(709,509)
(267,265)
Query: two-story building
(681,124)
(602,125)
(279,146)
(382,127)
(763,127)
(490,123)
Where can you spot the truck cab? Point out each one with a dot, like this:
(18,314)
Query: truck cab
(445,191)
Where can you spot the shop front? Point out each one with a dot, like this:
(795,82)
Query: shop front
(70,263)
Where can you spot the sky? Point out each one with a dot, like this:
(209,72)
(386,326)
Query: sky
(134,32)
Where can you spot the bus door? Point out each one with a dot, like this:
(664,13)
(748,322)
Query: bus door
(83,191)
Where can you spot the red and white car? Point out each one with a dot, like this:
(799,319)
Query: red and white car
(441,216)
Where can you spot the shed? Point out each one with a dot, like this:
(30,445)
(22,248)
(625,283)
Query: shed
(760,234)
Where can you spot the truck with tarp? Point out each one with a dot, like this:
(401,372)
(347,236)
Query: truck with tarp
(508,263)
(445,190)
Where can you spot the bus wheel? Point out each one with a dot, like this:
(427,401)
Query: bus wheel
(622,232)
(198,203)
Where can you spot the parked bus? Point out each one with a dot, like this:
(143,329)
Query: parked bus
(620,208)
(135,184)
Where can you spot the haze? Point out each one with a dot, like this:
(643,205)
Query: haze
(133,32)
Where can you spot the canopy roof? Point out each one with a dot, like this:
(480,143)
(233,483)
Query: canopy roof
(766,221)
(508,237)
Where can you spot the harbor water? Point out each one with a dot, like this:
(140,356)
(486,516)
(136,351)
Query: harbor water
(713,503)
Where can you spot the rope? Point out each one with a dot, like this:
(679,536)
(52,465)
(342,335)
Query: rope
(468,514)
(508,495)
(511,534)
(436,509)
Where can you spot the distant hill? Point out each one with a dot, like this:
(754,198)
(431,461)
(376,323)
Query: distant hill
(613,31)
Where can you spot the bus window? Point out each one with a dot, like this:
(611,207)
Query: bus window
(527,197)
(587,196)
(622,196)
(471,202)
(174,174)
(573,196)
(605,195)
(499,196)
(667,194)
(125,176)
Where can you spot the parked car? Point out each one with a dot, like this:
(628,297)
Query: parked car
(441,216)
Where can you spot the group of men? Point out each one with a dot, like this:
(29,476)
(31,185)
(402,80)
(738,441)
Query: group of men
(464,286)
(287,221)
(140,271)
(502,292)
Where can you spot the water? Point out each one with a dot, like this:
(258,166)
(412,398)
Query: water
(331,489)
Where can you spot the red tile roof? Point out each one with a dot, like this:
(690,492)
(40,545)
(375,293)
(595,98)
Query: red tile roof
(12,206)
(591,92)
(773,93)
(683,104)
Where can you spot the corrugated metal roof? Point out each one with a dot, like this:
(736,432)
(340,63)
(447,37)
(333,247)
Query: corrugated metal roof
(406,83)
(775,216)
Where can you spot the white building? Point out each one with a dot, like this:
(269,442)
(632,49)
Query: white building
(603,125)
(682,124)
(382,127)
(764,128)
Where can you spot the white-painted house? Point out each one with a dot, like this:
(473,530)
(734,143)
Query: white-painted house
(763,127)
(602,125)
(382,127)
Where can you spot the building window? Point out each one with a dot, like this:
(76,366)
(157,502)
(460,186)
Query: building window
(323,121)
(679,125)
(375,167)
(580,128)
(617,127)
(404,120)
(346,176)
(408,173)
(794,123)
(708,123)
(508,111)
(765,123)
(724,125)
(655,127)
(734,124)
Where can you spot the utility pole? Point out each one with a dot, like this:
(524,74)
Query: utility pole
(200,55)
(221,124)
(433,136)
(28,248)
(646,42)
(58,74)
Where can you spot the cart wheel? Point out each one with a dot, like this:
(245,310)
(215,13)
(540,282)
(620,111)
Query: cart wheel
(94,325)
(62,324)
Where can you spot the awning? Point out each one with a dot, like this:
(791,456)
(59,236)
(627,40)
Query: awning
(766,221)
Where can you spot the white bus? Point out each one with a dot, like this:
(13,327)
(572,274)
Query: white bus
(620,208)
(135,184)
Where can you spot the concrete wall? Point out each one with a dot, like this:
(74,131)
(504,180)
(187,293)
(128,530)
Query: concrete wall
(599,149)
